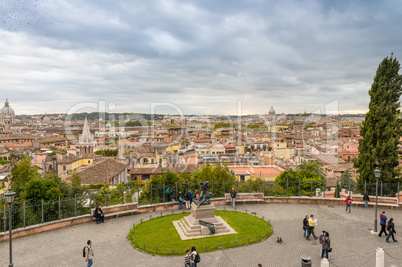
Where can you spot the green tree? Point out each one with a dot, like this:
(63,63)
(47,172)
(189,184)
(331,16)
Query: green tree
(346,180)
(107,152)
(21,174)
(309,181)
(39,188)
(312,166)
(381,129)
(76,184)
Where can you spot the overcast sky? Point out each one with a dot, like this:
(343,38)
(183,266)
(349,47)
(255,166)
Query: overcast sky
(201,56)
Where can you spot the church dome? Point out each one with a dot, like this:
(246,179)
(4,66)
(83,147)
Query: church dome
(271,111)
(6,109)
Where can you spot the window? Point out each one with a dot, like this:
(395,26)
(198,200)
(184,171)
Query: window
(242,178)
(89,162)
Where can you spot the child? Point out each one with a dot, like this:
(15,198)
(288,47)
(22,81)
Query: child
(279,240)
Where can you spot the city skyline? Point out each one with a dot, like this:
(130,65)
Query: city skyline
(202,57)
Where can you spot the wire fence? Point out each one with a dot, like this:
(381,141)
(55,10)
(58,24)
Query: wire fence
(357,260)
(201,249)
(28,214)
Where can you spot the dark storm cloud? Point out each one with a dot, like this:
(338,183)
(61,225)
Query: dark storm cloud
(203,56)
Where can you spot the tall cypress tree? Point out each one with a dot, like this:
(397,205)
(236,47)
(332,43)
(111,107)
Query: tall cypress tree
(381,129)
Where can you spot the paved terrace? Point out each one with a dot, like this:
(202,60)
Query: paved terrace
(350,239)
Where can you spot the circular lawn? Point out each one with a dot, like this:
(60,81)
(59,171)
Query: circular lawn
(159,236)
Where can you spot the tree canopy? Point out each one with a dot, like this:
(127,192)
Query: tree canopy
(381,128)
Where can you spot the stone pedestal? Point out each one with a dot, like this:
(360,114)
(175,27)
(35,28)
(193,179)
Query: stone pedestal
(189,227)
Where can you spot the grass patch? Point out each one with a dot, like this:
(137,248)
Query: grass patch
(160,236)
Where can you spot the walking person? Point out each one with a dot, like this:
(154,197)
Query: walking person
(187,258)
(326,244)
(195,257)
(180,201)
(311,224)
(391,231)
(305,226)
(233,195)
(383,223)
(89,253)
(100,217)
(348,202)
(366,200)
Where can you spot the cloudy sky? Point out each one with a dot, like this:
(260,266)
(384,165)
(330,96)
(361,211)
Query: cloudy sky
(201,57)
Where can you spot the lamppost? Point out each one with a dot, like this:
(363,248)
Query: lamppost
(10,199)
(377,174)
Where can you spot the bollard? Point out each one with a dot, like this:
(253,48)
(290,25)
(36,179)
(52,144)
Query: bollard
(305,261)
(379,258)
(324,262)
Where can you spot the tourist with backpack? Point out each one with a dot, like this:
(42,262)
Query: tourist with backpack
(195,257)
(88,253)
(191,197)
(391,230)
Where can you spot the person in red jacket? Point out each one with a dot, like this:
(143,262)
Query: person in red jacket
(348,202)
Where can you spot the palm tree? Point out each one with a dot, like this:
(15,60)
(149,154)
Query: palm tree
(312,166)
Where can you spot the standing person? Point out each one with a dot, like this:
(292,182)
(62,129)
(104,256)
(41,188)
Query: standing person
(180,201)
(383,223)
(195,257)
(233,195)
(348,202)
(196,194)
(173,194)
(320,238)
(391,230)
(191,197)
(187,258)
(326,244)
(89,253)
(187,198)
(366,200)
(311,224)
(168,194)
(305,226)
(100,217)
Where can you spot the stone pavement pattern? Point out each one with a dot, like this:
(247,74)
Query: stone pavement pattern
(350,239)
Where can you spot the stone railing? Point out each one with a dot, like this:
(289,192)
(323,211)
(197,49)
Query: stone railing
(133,208)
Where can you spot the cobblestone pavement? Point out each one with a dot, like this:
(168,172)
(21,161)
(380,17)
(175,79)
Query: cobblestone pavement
(350,239)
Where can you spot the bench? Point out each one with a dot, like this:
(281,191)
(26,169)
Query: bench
(116,214)
(246,198)
(379,204)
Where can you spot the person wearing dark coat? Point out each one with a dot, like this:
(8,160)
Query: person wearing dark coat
(100,218)
(366,200)
(305,226)
(391,230)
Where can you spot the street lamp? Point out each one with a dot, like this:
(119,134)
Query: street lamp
(377,174)
(10,199)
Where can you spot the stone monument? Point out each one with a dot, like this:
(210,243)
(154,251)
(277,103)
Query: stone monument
(202,222)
